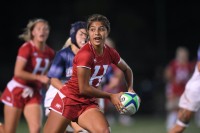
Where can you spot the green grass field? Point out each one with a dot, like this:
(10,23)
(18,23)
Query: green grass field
(140,124)
(149,125)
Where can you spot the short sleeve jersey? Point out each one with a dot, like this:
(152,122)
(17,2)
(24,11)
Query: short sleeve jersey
(181,74)
(87,58)
(61,66)
(37,61)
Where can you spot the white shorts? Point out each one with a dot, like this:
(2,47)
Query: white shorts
(190,99)
(50,94)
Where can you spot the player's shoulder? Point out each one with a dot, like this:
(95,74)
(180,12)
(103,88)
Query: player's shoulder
(26,46)
(65,52)
(85,53)
(49,49)
(86,49)
(109,48)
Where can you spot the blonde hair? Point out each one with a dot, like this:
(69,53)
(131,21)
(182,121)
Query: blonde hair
(67,43)
(27,35)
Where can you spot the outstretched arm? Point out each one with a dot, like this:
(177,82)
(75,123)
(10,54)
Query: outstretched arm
(88,90)
(128,74)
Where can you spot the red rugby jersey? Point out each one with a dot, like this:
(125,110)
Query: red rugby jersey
(86,57)
(37,61)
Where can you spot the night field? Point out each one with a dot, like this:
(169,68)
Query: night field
(140,124)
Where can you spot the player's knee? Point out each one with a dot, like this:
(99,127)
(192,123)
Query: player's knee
(35,129)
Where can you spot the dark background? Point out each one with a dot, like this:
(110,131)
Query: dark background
(146,33)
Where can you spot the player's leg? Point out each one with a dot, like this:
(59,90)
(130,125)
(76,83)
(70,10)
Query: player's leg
(11,118)
(94,121)
(197,118)
(184,117)
(56,123)
(33,115)
(171,119)
(77,128)
(172,101)
(189,104)
(2,128)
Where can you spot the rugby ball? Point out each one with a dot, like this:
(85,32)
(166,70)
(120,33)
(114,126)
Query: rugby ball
(131,103)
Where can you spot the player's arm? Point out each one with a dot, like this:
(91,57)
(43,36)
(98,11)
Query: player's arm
(23,74)
(85,88)
(56,83)
(88,90)
(57,69)
(184,117)
(127,73)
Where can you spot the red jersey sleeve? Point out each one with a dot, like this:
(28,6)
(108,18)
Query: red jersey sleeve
(115,56)
(24,51)
(84,59)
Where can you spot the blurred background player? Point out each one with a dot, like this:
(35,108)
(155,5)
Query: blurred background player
(190,101)
(22,93)
(61,68)
(177,73)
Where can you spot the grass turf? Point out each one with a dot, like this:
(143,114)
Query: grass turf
(139,124)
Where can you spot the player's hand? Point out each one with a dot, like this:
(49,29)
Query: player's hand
(115,99)
(43,79)
(27,92)
(131,90)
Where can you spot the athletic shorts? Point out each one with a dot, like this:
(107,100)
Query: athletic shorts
(190,99)
(12,95)
(50,94)
(61,105)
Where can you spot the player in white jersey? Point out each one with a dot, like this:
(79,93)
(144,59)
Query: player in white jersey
(190,101)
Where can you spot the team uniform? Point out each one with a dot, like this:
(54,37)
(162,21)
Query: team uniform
(190,99)
(175,88)
(37,62)
(181,74)
(68,101)
(61,68)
